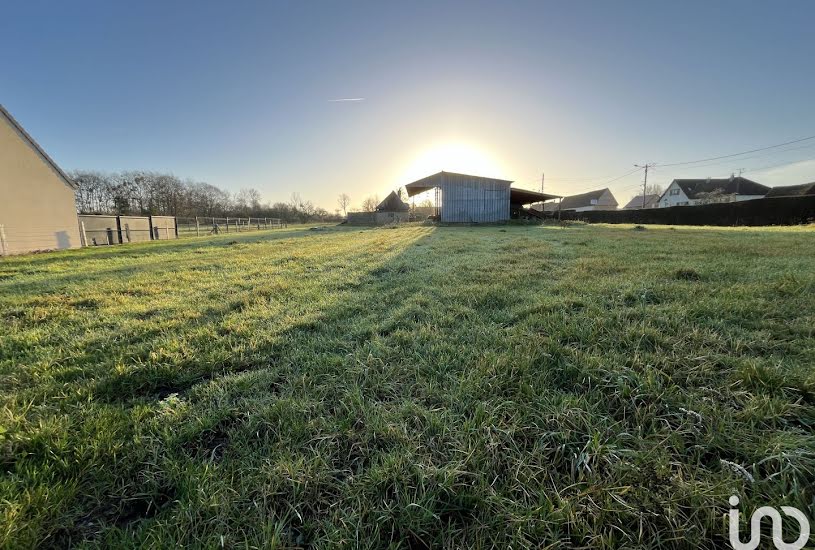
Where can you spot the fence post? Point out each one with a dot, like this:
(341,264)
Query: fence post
(2,240)
(197,227)
(83,234)
(227,223)
(127,231)
(110,235)
(150,223)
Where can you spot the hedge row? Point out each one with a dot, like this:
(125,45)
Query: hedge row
(773,211)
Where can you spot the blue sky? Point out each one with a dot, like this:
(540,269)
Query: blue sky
(237,93)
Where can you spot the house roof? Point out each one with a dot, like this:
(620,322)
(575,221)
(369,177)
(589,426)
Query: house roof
(583,199)
(698,188)
(392,203)
(516,196)
(425,184)
(68,181)
(651,200)
(792,190)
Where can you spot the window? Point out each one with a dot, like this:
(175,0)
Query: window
(594,201)
(674,191)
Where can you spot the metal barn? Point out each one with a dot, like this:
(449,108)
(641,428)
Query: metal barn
(461,198)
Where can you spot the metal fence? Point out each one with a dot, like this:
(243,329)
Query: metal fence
(97,230)
(202,225)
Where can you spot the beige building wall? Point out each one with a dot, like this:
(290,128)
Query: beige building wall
(135,229)
(99,229)
(163,228)
(37,208)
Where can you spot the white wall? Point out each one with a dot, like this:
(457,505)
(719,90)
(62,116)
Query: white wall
(667,199)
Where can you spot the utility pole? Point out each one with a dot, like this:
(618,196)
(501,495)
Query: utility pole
(543,177)
(738,185)
(645,166)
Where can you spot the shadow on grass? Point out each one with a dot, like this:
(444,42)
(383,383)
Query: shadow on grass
(17,270)
(375,280)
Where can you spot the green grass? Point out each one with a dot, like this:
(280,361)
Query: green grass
(414,387)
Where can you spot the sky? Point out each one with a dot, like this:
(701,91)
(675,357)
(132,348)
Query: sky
(245,94)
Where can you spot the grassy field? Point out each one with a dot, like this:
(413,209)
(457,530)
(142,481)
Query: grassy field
(414,387)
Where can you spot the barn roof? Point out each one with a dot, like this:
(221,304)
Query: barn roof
(36,146)
(516,196)
(792,190)
(525,196)
(635,203)
(392,203)
(428,183)
(694,188)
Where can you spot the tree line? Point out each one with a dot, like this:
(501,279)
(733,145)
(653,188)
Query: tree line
(154,193)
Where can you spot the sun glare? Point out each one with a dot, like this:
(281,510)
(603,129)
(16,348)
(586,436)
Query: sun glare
(451,157)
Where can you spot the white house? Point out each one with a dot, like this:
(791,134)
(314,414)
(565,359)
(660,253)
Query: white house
(692,192)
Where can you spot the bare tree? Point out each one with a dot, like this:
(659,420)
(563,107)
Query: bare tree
(247,201)
(344,200)
(370,204)
(650,189)
(653,189)
(142,192)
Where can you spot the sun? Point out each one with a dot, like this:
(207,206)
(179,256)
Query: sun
(451,156)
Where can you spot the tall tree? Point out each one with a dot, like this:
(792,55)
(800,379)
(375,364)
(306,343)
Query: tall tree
(370,204)
(344,200)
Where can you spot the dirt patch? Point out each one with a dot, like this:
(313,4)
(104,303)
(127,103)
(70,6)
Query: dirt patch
(687,274)
(211,444)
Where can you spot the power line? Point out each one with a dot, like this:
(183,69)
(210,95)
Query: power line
(719,163)
(605,184)
(737,154)
(763,168)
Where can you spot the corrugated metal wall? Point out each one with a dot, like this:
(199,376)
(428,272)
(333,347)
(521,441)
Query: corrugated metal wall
(473,199)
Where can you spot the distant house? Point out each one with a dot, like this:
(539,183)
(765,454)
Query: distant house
(392,210)
(389,211)
(803,190)
(38,206)
(392,203)
(639,202)
(602,199)
(692,192)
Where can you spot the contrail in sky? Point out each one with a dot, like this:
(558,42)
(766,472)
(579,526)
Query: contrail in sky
(342,99)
